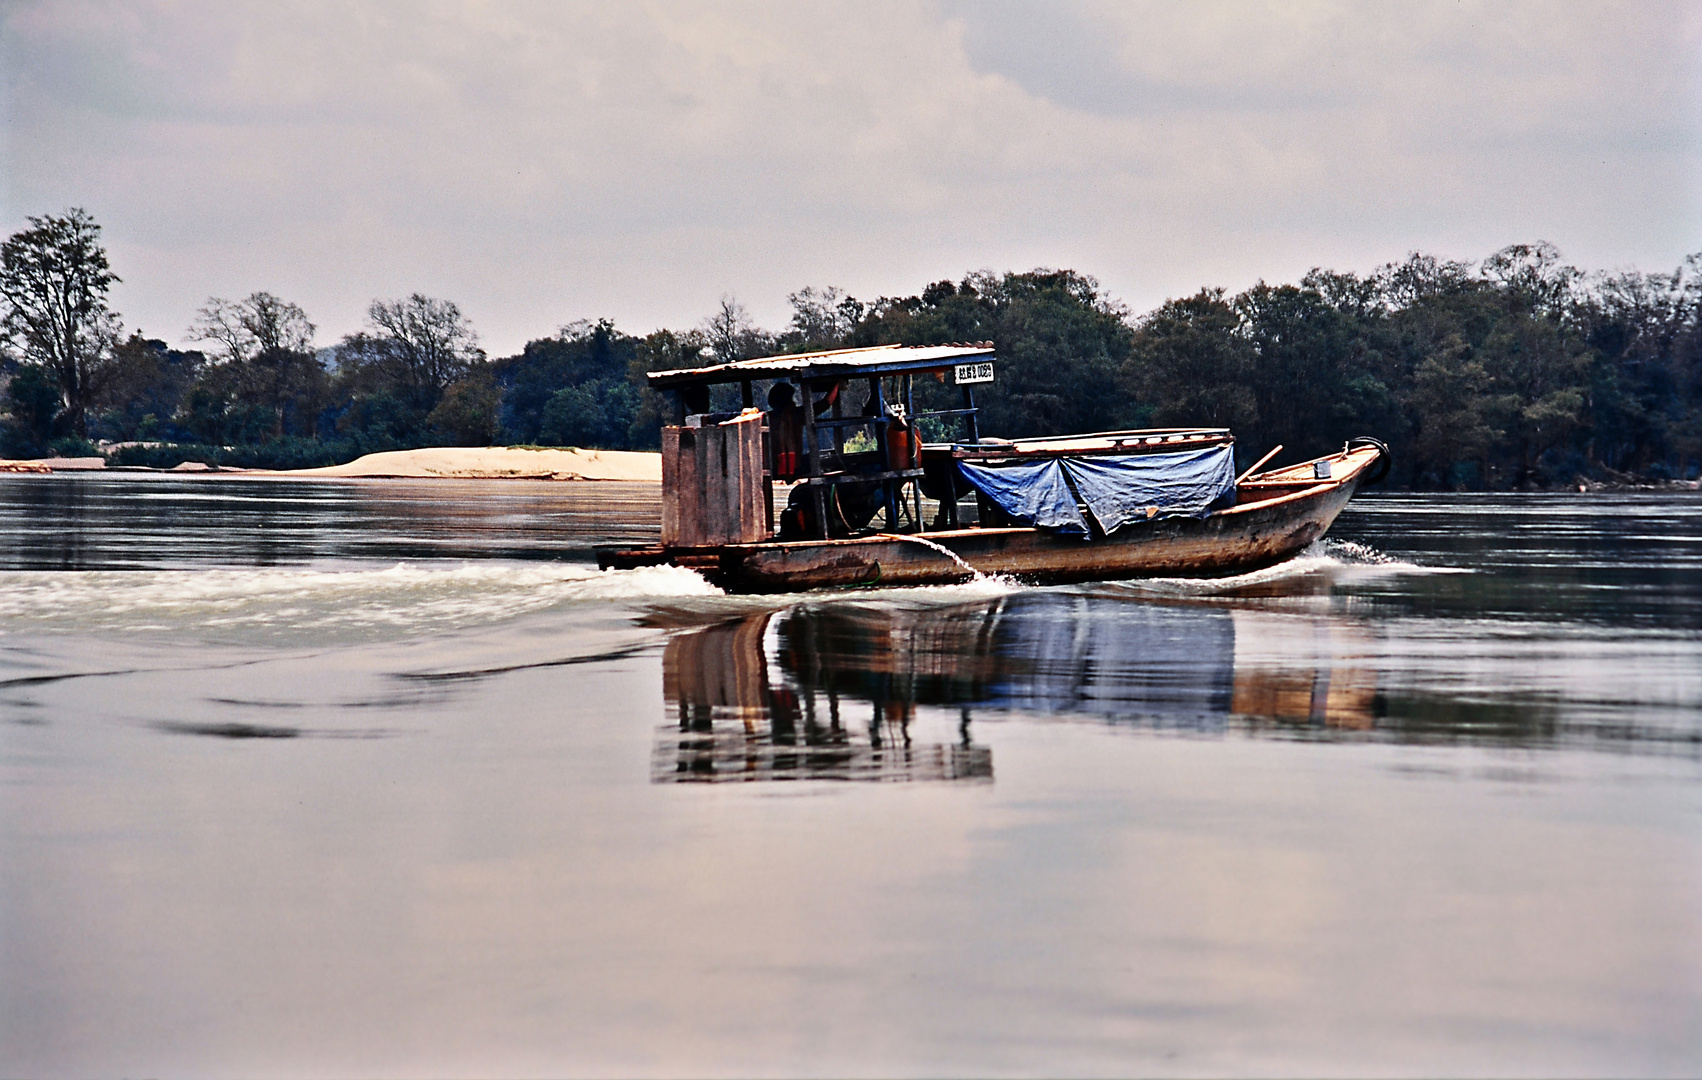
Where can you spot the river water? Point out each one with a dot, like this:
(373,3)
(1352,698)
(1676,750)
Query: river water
(372,777)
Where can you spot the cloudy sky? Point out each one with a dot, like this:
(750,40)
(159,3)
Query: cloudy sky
(540,163)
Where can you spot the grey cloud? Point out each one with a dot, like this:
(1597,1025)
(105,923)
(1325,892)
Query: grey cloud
(1073,54)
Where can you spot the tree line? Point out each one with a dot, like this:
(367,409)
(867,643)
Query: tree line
(1520,371)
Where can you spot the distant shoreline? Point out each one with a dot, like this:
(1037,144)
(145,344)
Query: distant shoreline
(573,463)
(448,463)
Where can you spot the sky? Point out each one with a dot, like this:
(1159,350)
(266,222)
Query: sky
(543,163)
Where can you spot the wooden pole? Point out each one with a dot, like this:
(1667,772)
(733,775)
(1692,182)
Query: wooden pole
(915,445)
(1275,450)
(881,426)
(839,429)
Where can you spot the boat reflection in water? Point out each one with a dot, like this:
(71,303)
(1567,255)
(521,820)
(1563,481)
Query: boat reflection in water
(747,712)
(832,691)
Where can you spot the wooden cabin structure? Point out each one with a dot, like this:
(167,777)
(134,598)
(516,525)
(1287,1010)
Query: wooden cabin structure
(889,419)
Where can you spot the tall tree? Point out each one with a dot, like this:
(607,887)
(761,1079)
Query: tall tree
(1061,345)
(732,336)
(266,346)
(1192,363)
(821,318)
(417,347)
(1314,377)
(1065,344)
(1453,403)
(149,386)
(54,279)
(470,410)
(661,350)
(578,388)
(1644,402)
(1540,371)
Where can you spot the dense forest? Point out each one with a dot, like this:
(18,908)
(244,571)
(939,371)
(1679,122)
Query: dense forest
(1520,371)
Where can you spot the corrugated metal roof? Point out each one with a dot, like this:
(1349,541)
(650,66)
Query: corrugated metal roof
(877,360)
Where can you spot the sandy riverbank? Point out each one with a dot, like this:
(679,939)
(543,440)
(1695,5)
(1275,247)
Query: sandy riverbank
(506,462)
(460,463)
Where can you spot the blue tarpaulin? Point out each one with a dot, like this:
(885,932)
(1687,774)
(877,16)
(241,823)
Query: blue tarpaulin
(1032,494)
(1140,486)
(1120,489)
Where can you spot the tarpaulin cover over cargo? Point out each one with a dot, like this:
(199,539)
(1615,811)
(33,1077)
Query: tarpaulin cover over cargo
(1116,489)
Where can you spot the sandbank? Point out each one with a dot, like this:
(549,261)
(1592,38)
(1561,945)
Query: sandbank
(450,462)
(499,462)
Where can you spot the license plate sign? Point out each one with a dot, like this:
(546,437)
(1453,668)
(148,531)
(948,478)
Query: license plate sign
(973,373)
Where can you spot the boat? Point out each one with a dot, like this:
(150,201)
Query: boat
(1089,507)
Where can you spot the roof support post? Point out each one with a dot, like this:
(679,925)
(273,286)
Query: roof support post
(839,429)
(889,486)
(971,435)
(915,445)
(812,456)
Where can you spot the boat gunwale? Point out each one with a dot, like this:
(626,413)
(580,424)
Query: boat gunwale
(1310,491)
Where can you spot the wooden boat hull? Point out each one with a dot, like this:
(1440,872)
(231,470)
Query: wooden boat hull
(1292,512)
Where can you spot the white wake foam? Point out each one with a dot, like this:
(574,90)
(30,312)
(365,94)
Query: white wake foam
(402,597)
(1336,560)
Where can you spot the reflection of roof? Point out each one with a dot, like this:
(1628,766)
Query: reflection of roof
(878,360)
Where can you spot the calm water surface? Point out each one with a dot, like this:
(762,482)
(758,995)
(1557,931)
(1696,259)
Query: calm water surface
(376,777)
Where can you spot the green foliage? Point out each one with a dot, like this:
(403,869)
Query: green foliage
(54,278)
(1190,360)
(1452,393)
(418,348)
(164,455)
(150,384)
(264,359)
(821,319)
(1061,348)
(33,400)
(576,389)
(470,411)
(1525,373)
(391,378)
(72,446)
(590,414)
(1643,390)
(1521,371)
(664,350)
(383,421)
(285,453)
(214,411)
